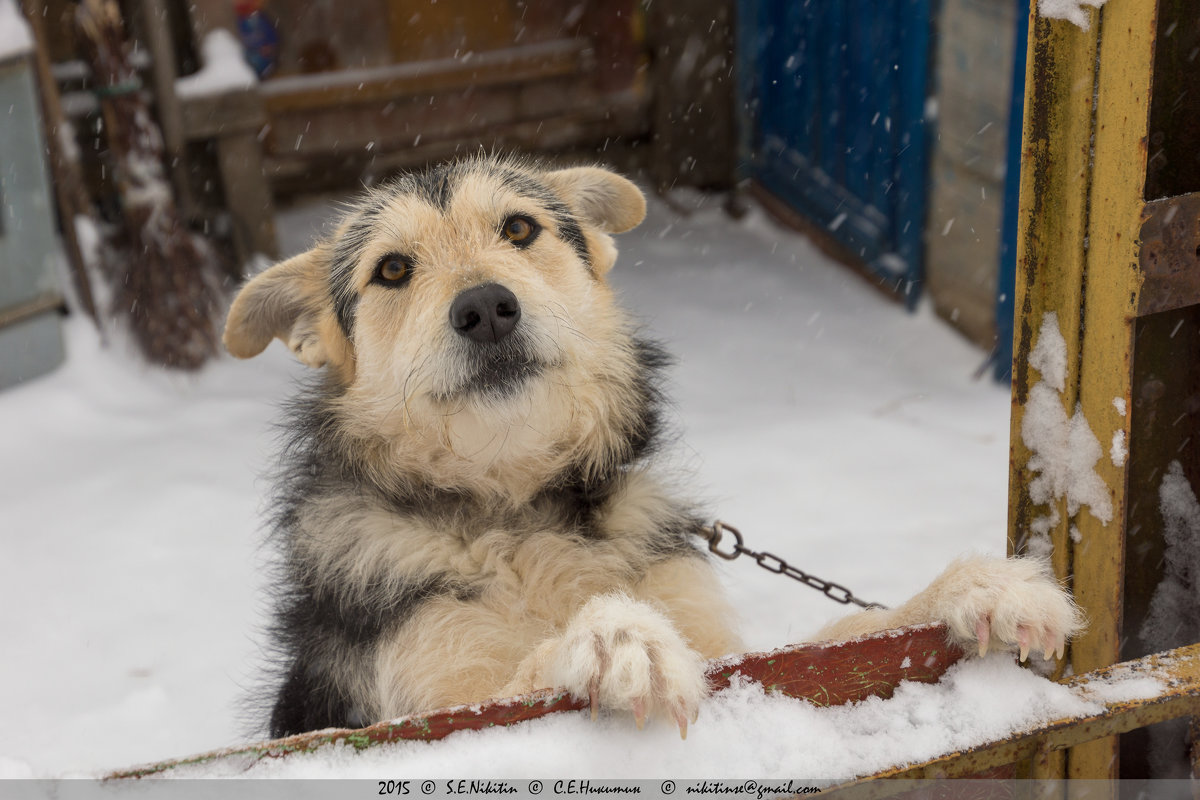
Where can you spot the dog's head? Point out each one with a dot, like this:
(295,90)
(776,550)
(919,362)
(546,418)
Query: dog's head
(465,299)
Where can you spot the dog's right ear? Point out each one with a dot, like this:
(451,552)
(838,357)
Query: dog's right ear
(289,302)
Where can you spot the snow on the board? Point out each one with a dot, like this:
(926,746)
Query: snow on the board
(744,732)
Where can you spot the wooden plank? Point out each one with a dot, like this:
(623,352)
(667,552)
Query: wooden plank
(215,115)
(247,196)
(624,119)
(208,15)
(233,119)
(153,20)
(1170,253)
(511,65)
(419,32)
(41,304)
(692,76)
(829,673)
(70,196)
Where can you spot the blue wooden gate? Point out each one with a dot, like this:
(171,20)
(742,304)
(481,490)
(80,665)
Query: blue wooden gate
(834,102)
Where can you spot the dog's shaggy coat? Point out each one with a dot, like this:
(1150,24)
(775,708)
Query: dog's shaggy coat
(468,507)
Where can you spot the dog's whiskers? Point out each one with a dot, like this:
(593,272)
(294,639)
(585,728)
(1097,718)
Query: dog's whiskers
(570,328)
(404,394)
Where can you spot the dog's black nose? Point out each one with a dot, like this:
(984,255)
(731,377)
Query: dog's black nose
(485,313)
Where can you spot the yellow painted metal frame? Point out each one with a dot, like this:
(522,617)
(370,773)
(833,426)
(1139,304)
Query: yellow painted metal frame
(1081,210)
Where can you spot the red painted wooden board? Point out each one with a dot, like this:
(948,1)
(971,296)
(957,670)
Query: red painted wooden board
(825,674)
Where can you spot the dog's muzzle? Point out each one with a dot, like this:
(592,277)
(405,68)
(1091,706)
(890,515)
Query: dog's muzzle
(496,355)
(485,314)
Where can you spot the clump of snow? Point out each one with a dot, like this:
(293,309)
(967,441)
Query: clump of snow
(1064,449)
(1119,450)
(1119,405)
(1123,688)
(1040,544)
(15,37)
(1070,10)
(225,68)
(742,730)
(1049,355)
(1174,616)
(67,143)
(89,238)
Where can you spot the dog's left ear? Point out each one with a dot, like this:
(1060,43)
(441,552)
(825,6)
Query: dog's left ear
(290,302)
(604,199)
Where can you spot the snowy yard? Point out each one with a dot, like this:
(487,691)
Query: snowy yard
(831,426)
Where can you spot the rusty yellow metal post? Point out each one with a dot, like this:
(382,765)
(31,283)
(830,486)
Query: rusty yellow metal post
(1082,179)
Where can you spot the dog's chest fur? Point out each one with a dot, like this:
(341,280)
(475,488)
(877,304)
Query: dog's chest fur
(371,551)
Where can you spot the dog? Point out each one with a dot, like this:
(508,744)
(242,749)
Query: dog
(469,505)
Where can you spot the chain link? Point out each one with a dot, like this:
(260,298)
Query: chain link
(715,532)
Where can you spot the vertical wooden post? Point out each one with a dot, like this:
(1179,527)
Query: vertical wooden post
(162,52)
(70,194)
(1083,175)
(244,181)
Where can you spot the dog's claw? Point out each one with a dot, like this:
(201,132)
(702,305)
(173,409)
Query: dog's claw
(1023,642)
(983,633)
(1061,650)
(681,720)
(639,714)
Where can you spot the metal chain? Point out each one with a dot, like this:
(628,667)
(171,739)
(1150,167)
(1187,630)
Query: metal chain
(772,563)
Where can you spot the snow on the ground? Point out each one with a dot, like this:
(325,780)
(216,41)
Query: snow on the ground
(831,426)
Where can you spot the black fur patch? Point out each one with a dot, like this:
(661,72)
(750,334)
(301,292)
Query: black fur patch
(326,636)
(347,252)
(317,632)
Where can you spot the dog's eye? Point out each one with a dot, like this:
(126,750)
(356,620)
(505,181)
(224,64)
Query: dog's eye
(392,270)
(520,230)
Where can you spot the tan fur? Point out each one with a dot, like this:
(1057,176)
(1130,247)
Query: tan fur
(1017,598)
(608,613)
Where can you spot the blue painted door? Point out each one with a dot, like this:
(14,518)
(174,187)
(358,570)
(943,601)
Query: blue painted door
(834,123)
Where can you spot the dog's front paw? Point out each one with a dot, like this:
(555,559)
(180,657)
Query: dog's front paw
(1012,603)
(624,654)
